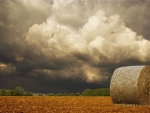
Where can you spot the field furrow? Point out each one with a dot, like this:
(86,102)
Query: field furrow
(62,104)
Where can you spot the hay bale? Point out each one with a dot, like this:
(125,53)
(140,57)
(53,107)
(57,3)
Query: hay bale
(131,85)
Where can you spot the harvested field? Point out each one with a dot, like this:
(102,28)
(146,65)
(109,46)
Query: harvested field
(47,104)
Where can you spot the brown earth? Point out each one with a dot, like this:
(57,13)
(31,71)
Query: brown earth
(47,104)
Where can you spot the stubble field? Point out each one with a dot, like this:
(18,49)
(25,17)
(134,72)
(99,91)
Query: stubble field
(47,104)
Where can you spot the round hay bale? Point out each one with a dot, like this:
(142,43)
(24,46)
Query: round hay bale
(131,85)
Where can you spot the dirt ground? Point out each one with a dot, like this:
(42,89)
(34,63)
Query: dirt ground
(50,104)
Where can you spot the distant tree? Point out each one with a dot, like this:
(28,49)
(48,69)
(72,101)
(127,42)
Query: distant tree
(4,92)
(19,91)
(27,94)
(87,92)
(104,91)
(74,94)
(12,93)
(96,92)
(50,94)
(65,94)
(39,95)
(59,94)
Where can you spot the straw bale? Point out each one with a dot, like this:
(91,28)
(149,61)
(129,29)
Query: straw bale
(131,85)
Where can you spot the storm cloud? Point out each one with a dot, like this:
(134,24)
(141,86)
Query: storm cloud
(68,46)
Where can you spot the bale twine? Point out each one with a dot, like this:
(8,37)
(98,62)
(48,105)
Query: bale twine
(131,85)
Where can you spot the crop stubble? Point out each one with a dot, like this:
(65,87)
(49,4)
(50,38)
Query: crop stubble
(47,104)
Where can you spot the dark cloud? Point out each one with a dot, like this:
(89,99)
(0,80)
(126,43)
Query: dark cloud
(44,85)
(134,14)
(68,46)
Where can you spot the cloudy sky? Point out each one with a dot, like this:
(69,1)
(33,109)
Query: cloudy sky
(70,45)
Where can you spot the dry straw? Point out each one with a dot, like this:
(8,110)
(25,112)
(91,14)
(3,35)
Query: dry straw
(131,85)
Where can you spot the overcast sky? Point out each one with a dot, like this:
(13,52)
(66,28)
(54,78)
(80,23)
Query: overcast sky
(70,45)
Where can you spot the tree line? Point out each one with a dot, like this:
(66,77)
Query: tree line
(18,91)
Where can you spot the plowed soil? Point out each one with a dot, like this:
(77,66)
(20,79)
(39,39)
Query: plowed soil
(47,104)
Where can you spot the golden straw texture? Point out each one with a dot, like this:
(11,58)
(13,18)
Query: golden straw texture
(131,85)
